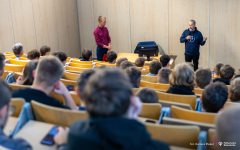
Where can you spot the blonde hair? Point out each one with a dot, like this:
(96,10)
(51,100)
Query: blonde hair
(100,18)
(49,71)
(182,75)
(234,90)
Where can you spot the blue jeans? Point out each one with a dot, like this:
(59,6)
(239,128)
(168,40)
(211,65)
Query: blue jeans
(100,52)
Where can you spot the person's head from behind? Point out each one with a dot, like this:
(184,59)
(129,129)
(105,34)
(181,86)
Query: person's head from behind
(203,77)
(48,72)
(61,56)
(227,72)
(18,49)
(182,75)
(139,62)
(82,81)
(87,54)
(191,65)
(163,75)
(30,67)
(111,57)
(119,61)
(102,21)
(6,95)
(2,64)
(154,67)
(33,54)
(164,59)
(45,50)
(134,75)
(217,68)
(125,64)
(234,90)
(214,97)
(147,95)
(108,93)
(227,127)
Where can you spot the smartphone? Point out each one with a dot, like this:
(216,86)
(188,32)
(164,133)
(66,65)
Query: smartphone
(48,139)
(150,121)
(70,87)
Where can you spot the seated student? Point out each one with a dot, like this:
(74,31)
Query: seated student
(45,50)
(182,80)
(191,65)
(134,75)
(139,62)
(33,54)
(111,57)
(154,67)
(163,75)
(61,56)
(147,95)
(214,97)
(234,90)
(119,61)
(27,78)
(165,59)
(18,50)
(47,79)
(81,83)
(113,110)
(216,70)
(2,64)
(226,74)
(237,74)
(125,64)
(87,55)
(203,77)
(227,129)
(5,108)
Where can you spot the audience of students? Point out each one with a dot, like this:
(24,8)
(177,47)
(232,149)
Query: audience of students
(86,55)
(18,50)
(111,57)
(2,64)
(226,74)
(214,97)
(139,62)
(154,67)
(203,77)
(165,60)
(45,50)
(113,109)
(163,75)
(33,54)
(125,64)
(61,56)
(182,80)
(147,95)
(119,61)
(234,90)
(216,70)
(134,75)
(47,79)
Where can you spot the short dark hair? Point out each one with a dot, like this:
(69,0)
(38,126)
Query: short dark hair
(86,54)
(107,93)
(163,75)
(111,56)
(134,75)
(148,95)
(227,72)
(28,72)
(5,92)
(217,68)
(154,67)
(214,97)
(125,64)
(17,48)
(120,60)
(44,49)
(164,59)
(2,59)
(61,55)
(203,77)
(139,62)
(83,79)
(32,54)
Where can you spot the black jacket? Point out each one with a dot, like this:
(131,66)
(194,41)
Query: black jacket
(182,90)
(226,81)
(111,133)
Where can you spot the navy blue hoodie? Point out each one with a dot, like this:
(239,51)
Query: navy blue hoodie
(192,45)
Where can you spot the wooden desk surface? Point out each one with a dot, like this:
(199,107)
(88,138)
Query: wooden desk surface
(34,132)
(10,125)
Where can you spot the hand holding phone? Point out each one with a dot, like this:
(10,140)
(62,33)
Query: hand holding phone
(48,139)
(61,136)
